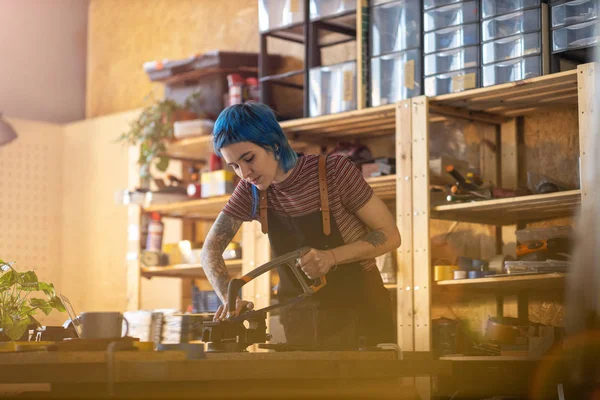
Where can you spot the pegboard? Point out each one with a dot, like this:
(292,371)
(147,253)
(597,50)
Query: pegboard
(30,190)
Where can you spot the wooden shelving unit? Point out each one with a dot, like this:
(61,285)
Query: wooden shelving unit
(496,110)
(512,210)
(507,283)
(186,270)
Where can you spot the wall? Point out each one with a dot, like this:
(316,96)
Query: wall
(30,202)
(43,47)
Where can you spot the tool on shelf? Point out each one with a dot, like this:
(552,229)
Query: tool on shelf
(235,334)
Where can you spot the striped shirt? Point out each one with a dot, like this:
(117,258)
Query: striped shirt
(298,195)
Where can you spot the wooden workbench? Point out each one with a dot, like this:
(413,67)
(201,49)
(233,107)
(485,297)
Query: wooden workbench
(249,375)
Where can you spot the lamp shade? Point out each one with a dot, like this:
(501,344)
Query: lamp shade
(7,133)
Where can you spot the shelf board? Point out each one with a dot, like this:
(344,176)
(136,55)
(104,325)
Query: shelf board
(200,209)
(370,122)
(390,285)
(384,186)
(508,283)
(516,98)
(512,210)
(186,270)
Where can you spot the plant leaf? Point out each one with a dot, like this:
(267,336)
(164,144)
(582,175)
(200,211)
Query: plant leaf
(163,164)
(14,329)
(7,279)
(42,305)
(57,304)
(29,281)
(47,288)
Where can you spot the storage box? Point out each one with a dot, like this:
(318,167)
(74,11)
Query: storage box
(451,38)
(451,15)
(451,60)
(511,24)
(332,89)
(217,183)
(395,27)
(195,127)
(452,82)
(395,77)
(273,14)
(327,8)
(512,70)
(574,12)
(512,47)
(492,8)
(577,36)
(429,4)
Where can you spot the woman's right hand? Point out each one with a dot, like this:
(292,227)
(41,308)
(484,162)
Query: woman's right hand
(240,306)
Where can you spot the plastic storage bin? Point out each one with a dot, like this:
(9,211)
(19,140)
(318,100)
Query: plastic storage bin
(511,24)
(512,47)
(451,38)
(429,4)
(451,15)
(492,8)
(512,70)
(327,8)
(574,12)
(575,36)
(274,14)
(395,27)
(332,88)
(395,77)
(451,60)
(452,82)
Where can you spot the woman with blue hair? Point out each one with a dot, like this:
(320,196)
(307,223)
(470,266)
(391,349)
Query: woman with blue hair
(319,202)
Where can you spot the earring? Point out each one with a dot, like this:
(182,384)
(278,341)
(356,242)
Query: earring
(277,155)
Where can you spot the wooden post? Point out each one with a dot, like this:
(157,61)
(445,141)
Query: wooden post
(588,123)
(421,243)
(404,218)
(362,53)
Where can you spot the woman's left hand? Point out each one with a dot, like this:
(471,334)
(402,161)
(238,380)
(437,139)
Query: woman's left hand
(316,263)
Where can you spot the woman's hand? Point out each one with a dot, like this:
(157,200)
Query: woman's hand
(240,305)
(316,263)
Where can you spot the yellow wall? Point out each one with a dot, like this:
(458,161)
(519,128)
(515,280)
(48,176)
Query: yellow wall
(30,203)
(122,35)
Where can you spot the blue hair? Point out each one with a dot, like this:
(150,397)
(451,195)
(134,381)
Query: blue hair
(255,123)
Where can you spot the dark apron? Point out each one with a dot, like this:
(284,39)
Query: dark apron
(353,309)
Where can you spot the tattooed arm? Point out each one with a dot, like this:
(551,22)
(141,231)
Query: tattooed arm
(382,238)
(220,235)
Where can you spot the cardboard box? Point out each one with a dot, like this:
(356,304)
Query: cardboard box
(217,183)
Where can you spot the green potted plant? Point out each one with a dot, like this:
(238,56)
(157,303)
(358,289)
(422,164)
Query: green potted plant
(153,129)
(20,300)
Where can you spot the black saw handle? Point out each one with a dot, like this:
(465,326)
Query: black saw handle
(289,259)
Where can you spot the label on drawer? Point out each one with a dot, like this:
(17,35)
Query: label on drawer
(294,6)
(463,82)
(409,74)
(348,85)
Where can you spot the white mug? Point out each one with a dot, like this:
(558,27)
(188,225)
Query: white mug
(102,325)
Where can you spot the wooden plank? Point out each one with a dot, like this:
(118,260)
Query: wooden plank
(421,243)
(301,125)
(404,220)
(186,270)
(509,178)
(362,56)
(466,114)
(588,122)
(537,282)
(201,208)
(512,210)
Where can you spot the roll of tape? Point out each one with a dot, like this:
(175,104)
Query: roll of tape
(444,272)
(476,274)
(496,264)
(460,274)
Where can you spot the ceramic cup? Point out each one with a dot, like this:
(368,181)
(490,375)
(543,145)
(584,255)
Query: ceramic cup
(102,325)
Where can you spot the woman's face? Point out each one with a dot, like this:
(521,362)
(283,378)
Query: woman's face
(251,163)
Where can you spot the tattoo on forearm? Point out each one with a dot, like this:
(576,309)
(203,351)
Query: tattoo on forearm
(376,238)
(221,233)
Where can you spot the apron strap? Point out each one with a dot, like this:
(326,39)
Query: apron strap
(324,200)
(323,195)
(264,223)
